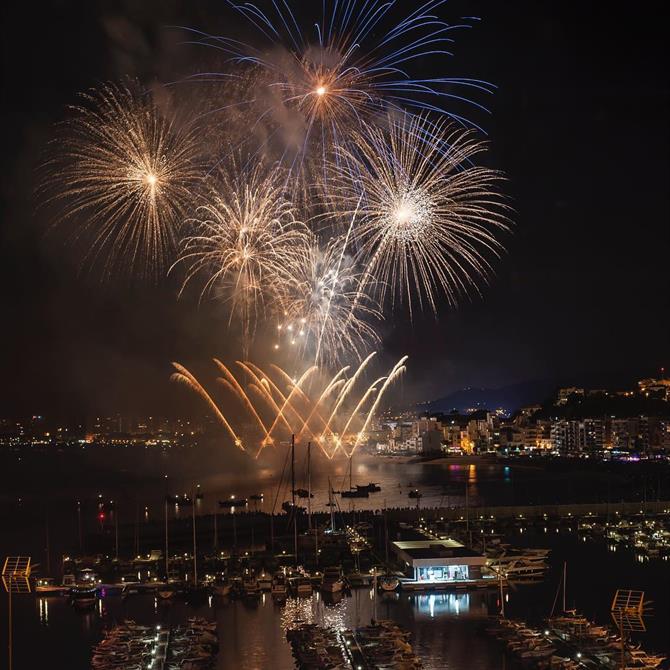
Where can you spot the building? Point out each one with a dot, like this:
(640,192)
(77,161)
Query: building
(438,563)
(655,388)
(431,442)
(565,437)
(424,424)
(623,434)
(565,393)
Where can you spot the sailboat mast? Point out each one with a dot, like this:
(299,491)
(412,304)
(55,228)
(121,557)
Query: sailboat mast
(502,594)
(309,484)
(293,470)
(467,514)
(167,560)
(195,560)
(293,510)
(330,505)
(565,584)
(386,537)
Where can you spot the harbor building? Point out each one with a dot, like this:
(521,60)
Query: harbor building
(434,564)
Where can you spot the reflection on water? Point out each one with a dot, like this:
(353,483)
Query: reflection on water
(442,484)
(448,604)
(43,604)
(253,633)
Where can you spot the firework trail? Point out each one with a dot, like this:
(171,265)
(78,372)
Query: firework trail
(348,387)
(183,376)
(428,217)
(359,406)
(244,241)
(335,382)
(287,403)
(315,400)
(237,389)
(126,173)
(398,369)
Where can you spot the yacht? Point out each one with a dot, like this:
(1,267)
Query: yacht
(47,586)
(233,502)
(251,586)
(372,487)
(519,564)
(302,586)
(355,493)
(332,580)
(84,597)
(279,588)
(388,583)
(223,588)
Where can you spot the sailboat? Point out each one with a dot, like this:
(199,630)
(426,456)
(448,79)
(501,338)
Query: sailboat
(355,492)
(387,582)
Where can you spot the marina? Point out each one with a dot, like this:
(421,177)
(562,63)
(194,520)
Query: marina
(443,569)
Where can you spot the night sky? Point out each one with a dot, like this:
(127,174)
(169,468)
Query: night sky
(579,124)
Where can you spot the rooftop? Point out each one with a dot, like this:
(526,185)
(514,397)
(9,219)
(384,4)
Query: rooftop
(431,549)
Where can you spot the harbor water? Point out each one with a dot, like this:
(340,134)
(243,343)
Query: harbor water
(447,627)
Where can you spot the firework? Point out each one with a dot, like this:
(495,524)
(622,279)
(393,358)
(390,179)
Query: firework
(125,172)
(428,218)
(326,315)
(332,411)
(244,241)
(314,83)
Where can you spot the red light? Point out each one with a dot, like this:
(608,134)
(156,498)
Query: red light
(101,516)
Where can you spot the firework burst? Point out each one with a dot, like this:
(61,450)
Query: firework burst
(317,77)
(326,315)
(125,172)
(244,242)
(427,217)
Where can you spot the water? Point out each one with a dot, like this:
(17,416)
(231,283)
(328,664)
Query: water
(50,633)
(446,628)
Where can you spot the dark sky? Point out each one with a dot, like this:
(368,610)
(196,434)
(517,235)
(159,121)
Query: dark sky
(579,124)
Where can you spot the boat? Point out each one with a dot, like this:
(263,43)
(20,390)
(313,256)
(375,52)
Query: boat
(332,580)
(414,493)
(518,563)
(388,583)
(178,500)
(251,586)
(288,507)
(279,587)
(302,586)
(233,502)
(372,487)
(303,493)
(47,586)
(357,578)
(257,497)
(223,589)
(264,582)
(355,493)
(83,597)
(166,592)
